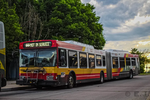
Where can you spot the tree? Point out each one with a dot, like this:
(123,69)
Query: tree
(72,20)
(60,20)
(12,27)
(13,32)
(142,57)
(29,18)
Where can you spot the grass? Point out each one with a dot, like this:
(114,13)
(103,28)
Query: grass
(144,73)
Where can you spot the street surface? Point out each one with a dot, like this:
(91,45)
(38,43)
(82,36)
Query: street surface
(137,88)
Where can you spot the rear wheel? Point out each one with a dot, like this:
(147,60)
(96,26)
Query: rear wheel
(70,81)
(101,78)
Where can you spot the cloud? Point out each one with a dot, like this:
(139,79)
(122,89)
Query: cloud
(125,22)
(128,33)
(141,44)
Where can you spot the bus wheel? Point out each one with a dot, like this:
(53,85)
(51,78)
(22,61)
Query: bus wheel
(70,81)
(101,78)
(130,74)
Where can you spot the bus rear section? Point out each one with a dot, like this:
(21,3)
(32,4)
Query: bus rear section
(122,64)
(2,56)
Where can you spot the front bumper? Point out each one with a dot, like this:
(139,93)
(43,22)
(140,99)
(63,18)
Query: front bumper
(37,82)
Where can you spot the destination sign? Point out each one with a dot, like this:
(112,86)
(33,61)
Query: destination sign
(37,44)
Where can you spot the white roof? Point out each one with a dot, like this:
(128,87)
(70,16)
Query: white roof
(79,43)
(118,51)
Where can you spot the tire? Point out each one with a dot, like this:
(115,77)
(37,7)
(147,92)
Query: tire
(101,78)
(130,75)
(71,81)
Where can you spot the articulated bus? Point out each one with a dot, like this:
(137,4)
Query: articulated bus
(2,56)
(56,63)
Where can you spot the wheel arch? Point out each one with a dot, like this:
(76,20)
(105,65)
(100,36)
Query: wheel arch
(74,75)
(102,72)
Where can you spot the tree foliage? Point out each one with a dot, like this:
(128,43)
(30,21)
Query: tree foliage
(142,57)
(13,30)
(72,20)
(60,20)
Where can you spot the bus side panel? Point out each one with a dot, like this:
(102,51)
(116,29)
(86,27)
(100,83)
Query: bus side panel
(108,66)
(2,70)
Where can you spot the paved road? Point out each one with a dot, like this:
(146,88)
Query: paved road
(137,88)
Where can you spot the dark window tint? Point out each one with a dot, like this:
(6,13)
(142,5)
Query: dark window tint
(83,60)
(133,61)
(128,62)
(103,60)
(73,62)
(122,63)
(98,60)
(91,61)
(62,58)
(115,62)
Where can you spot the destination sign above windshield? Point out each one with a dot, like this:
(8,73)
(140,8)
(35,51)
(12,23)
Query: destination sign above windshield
(37,44)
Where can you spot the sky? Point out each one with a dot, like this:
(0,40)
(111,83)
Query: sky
(126,23)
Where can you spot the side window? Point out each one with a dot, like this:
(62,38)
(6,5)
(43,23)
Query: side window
(115,62)
(122,63)
(73,62)
(133,61)
(62,58)
(103,60)
(91,61)
(83,60)
(98,60)
(128,62)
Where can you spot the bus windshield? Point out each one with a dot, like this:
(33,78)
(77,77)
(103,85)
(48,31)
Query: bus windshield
(38,58)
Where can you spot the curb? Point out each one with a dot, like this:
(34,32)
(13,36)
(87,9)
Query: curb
(14,89)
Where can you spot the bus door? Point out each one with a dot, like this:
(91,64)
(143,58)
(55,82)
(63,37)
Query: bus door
(91,63)
(108,65)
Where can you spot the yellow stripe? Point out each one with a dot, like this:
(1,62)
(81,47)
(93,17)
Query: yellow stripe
(1,66)
(66,70)
(116,70)
(83,49)
(2,51)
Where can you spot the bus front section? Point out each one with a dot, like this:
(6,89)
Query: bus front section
(38,64)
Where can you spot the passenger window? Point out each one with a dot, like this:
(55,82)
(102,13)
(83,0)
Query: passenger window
(122,63)
(128,62)
(83,60)
(115,62)
(133,61)
(73,62)
(62,58)
(98,60)
(91,61)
